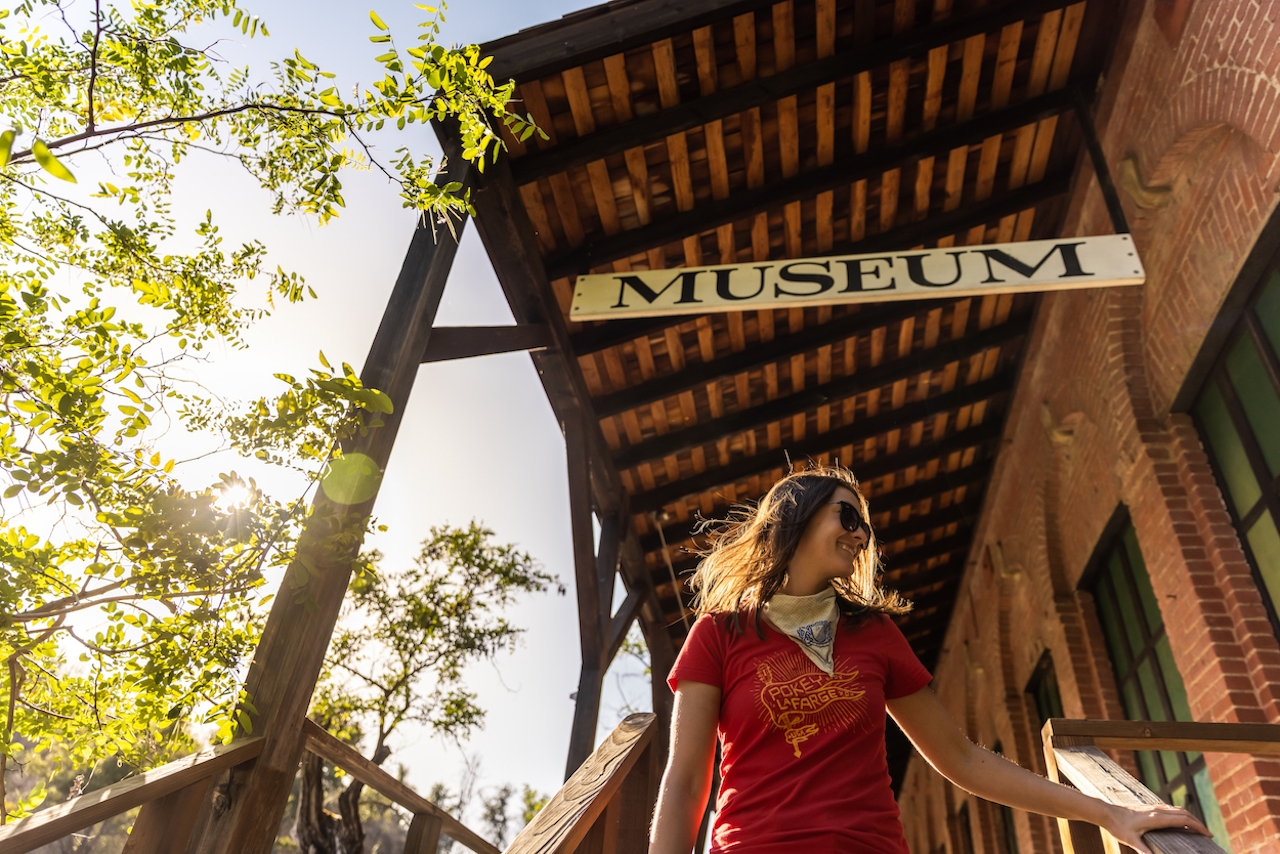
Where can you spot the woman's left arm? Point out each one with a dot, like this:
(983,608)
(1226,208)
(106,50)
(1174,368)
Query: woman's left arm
(935,734)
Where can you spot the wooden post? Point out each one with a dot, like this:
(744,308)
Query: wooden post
(1078,837)
(288,659)
(586,711)
(163,826)
(424,834)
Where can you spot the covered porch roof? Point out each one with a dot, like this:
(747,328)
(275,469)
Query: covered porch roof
(730,131)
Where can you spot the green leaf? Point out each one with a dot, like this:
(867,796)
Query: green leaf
(352,480)
(6,147)
(377,22)
(49,163)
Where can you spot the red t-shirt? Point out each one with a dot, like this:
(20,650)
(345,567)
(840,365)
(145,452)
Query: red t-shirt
(803,764)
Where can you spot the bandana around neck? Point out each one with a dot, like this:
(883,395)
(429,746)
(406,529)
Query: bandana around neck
(810,621)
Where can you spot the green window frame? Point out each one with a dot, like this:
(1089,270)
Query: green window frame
(1043,688)
(1237,414)
(1151,687)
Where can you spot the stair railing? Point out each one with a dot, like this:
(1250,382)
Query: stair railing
(1073,752)
(174,794)
(606,804)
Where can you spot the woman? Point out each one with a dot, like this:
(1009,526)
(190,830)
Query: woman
(792,663)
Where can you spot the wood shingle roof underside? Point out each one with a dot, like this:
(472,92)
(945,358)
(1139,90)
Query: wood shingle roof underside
(731,132)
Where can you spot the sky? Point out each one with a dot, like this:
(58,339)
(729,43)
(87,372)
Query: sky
(478,441)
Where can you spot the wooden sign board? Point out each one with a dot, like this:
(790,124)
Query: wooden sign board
(1035,265)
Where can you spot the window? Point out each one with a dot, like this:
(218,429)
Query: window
(1237,414)
(964,830)
(1151,688)
(1043,689)
(1009,831)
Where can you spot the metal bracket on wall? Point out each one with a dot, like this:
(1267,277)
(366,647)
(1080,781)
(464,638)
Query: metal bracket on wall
(1099,160)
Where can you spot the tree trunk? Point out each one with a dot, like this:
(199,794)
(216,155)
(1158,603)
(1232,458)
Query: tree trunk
(319,831)
(315,829)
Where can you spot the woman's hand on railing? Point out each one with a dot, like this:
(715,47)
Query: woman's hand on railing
(1128,823)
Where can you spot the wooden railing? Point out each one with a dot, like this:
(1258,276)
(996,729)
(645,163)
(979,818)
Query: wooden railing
(429,821)
(605,806)
(175,794)
(1073,752)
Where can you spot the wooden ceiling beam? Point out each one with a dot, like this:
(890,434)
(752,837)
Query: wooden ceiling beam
(754,93)
(599,31)
(463,342)
(832,440)
(694,376)
(859,382)
(844,171)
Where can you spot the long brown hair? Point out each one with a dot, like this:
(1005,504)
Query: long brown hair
(746,562)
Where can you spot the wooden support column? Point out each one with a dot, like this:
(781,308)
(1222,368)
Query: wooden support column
(287,662)
(588,576)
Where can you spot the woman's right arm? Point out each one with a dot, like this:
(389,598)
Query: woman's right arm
(686,784)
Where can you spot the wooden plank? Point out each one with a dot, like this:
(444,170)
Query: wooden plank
(744,39)
(163,826)
(615,68)
(1098,775)
(328,747)
(824,12)
(424,834)
(754,92)
(462,342)
(565,821)
(53,823)
(596,33)
(636,800)
(759,199)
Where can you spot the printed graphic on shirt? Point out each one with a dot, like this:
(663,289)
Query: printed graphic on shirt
(802,702)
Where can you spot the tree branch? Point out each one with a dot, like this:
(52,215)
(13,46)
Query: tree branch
(93,58)
(257,106)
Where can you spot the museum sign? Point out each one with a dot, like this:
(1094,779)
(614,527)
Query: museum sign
(1036,265)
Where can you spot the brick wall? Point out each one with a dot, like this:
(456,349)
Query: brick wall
(1191,129)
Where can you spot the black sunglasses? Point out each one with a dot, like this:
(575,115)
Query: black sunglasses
(850,519)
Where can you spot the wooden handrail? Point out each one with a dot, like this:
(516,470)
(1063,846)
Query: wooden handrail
(328,747)
(1255,739)
(53,823)
(1073,752)
(605,805)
